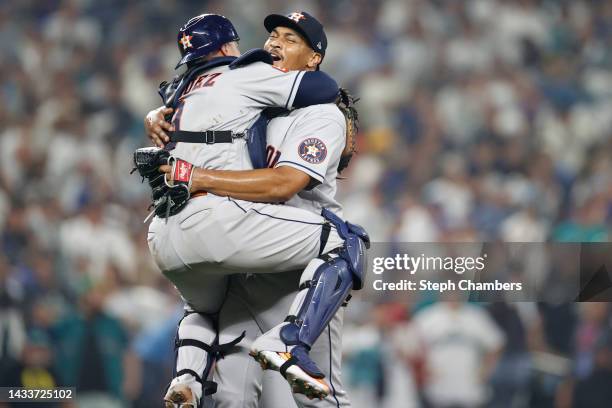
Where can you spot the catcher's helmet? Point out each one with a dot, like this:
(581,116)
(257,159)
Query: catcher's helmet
(204,34)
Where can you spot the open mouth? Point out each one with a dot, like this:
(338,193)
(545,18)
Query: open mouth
(275,56)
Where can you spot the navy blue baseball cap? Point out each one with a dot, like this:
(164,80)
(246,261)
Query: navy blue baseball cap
(305,24)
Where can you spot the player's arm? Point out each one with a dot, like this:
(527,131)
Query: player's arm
(277,87)
(261,185)
(293,173)
(269,86)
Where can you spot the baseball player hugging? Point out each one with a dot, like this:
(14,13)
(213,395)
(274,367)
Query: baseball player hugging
(216,216)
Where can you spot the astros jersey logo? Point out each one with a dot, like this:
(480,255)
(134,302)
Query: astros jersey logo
(296,16)
(312,150)
(186,41)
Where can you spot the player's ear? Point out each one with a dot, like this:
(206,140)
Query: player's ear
(231,49)
(315,59)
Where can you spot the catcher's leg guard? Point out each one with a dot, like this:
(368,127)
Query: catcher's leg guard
(326,292)
(330,285)
(324,287)
(328,289)
(356,241)
(196,350)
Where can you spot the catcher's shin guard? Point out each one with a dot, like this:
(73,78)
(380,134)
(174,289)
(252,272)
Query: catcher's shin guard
(330,285)
(188,387)
(356,241)
(327,291)
(324,288)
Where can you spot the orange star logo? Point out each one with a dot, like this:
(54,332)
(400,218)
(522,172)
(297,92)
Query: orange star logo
(312,150)
(186,41)
(296,16)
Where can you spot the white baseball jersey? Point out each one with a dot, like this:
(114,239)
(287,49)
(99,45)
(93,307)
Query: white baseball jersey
(230,99)
(310,139)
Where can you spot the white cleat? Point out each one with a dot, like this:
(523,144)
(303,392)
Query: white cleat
(180,396)
(298,379)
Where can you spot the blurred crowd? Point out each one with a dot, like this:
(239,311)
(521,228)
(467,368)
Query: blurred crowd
(481,120)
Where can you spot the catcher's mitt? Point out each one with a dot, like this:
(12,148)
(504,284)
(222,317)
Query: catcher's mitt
(346,103)
(169,197)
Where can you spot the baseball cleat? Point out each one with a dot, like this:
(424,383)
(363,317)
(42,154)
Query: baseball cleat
(180,396)
(300,381)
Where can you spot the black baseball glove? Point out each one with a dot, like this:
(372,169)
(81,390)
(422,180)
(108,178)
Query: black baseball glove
(168,197)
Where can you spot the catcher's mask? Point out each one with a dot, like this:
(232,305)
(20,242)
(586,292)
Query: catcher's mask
(204,34)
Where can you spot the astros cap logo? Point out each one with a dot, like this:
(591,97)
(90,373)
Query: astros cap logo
(296,16)
(185,41)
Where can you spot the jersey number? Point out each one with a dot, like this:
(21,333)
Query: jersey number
(272,156)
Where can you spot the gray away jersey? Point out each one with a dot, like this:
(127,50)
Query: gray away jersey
(224,99)
(310,139)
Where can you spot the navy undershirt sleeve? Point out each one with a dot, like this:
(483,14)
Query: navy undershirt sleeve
(315,88)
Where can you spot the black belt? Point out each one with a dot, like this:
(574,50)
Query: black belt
(208,137)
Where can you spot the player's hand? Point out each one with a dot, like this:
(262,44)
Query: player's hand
(167,171)
(156,126)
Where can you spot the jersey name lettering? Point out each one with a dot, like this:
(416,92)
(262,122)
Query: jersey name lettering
(202,81)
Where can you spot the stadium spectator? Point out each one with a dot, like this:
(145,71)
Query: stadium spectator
(482,120)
